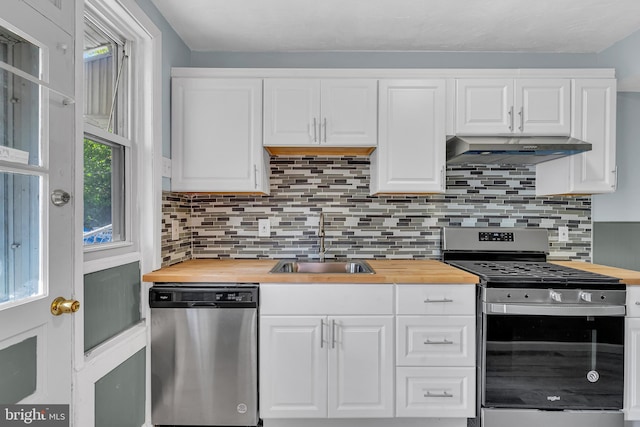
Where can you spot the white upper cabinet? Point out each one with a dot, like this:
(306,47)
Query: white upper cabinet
(410,157)
(513,106)
(594,121)
(327,112)
(216,138)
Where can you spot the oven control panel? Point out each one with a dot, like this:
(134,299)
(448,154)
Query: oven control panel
(492,236)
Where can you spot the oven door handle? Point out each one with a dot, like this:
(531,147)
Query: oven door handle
(551,310)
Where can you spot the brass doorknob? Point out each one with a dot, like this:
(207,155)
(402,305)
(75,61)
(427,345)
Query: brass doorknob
(61,305)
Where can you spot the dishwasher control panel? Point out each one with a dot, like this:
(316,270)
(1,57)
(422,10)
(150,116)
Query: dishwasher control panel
(210,296)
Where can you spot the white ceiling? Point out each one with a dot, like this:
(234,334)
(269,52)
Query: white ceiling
(578,26)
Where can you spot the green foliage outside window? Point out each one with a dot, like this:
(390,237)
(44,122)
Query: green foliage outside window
(97,184)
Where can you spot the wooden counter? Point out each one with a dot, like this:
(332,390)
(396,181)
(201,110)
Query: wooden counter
(628,277)
(230,271)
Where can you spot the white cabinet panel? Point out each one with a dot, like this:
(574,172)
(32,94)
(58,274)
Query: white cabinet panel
(293,367)
(436,341)
(216,136)
(361,367)
(436,299)
(435,392)
(60,12)
(291,111)
(328,112)
(508,106)
(411,150)
(484,106)
(594,121)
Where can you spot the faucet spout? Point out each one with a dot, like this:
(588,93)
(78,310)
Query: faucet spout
(322,250)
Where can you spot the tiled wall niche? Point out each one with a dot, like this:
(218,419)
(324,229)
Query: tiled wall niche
(364,226)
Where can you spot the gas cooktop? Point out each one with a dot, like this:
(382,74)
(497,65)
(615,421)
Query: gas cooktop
(514,257)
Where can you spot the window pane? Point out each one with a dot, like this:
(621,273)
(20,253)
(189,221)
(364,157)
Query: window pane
(103,192)
(104,79)
(20,53)
(20,240)
(19,101)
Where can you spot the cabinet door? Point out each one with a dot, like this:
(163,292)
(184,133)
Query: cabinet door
(594,121)
(410,157)
(291,112)
(216,135)
(293,367)
(543,106)
(349,113)
(361,367)
(632,371)
(484,106)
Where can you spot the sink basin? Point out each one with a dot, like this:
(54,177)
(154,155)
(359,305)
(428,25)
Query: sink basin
(329,267)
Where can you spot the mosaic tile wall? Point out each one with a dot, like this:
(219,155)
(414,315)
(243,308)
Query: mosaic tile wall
(176,207)
(364,226)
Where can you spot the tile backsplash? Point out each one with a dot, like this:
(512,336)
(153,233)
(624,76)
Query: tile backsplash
(364,226)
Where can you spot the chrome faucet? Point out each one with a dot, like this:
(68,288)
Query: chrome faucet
(323,250)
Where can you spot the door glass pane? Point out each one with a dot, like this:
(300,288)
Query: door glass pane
(19,53)
(103,192)
(21,237)
(20,130)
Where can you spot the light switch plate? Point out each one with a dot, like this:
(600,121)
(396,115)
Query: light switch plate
(166,167)
(563,234)
(264,228)
(175,229)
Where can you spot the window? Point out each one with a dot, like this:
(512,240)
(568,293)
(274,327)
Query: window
(107,150)
(22,178)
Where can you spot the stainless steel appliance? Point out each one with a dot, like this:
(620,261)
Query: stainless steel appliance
(204,359)
(550,338)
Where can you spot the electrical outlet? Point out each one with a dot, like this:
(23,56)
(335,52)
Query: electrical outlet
(264,227)
(563,234)
(166,167)
(175,229)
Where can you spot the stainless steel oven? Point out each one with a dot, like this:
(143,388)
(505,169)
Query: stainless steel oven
(550,338)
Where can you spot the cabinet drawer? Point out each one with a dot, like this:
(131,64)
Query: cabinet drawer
(633,301)
(436,299)
(435,392)
(436,341)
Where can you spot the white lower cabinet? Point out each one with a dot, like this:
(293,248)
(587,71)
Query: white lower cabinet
(326,366)
(435,354)
(632,355)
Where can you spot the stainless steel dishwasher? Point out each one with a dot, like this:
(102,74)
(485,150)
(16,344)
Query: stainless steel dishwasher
(204,355)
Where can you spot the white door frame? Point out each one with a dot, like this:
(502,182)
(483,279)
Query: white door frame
(89,368)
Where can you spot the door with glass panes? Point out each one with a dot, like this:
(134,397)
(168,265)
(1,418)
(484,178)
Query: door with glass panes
(36,208)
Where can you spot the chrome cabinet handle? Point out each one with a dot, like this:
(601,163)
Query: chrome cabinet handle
(521,113)
(511,119)
(333,333)
(255,175)
(443,394)
(427,301)
(325,129)
(321,333)
(637,302)
(444,341)
(315,130)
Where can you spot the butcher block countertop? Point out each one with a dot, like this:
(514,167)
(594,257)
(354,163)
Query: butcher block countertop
(387,271)
(628,277)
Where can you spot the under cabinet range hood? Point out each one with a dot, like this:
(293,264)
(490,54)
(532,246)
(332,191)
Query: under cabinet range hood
(511,150)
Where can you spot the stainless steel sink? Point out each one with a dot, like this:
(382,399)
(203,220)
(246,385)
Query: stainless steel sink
(328,267)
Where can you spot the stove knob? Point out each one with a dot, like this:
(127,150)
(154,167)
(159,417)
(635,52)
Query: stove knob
(555,296)
(585,296)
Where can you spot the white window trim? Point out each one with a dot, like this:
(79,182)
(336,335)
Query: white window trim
(146,204)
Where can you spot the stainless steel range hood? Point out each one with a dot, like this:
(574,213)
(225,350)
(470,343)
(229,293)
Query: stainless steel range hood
(511,150)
